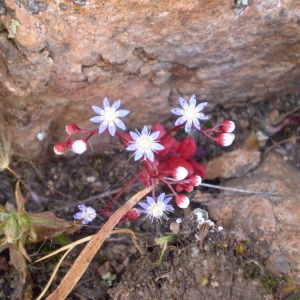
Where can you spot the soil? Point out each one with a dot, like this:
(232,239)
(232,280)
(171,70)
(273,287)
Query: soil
(194,266)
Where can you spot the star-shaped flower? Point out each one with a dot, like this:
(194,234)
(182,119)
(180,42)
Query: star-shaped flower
(190,113)
(144,144)
(87,214)
(109,116)
(156,209)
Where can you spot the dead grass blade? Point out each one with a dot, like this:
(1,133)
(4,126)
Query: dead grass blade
(88,253)
(71,246)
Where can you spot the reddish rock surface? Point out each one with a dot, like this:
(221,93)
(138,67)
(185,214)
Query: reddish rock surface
(59,57)
(272,221)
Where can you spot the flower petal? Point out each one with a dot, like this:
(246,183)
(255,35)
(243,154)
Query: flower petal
(177,111)
(180,120)
(183,102)
(192,102)
(202,116)
(134,135)
(106,103)
(96,119)
(196,123)
(201,106)
(120,124)
(145,131)
(98,110)
(144,205)
(116,104)
(169,208)
(132,147)
(161,197)
(78,216)
(81,207)
(157,146)
(138,154)
(155,135)
(150,155)
(112,129)
(102,127)
(188,126)
(123,112)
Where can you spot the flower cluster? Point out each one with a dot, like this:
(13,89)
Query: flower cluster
(174,166)
(164,159)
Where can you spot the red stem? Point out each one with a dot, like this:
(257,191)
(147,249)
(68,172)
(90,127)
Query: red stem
(122,191)
(168,133)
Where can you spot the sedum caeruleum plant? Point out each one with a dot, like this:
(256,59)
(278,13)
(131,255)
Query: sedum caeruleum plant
(165,160)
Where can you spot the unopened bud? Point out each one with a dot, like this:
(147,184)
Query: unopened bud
(225,139)
(59,148)
(228,126)
(179,173)
(131,215)
(79,146)
(182,201)
(72,128)
(195,180)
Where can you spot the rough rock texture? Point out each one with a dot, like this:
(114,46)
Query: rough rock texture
(223,166)
(271,221)
(59,57)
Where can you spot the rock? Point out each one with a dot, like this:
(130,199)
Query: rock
(57,58)
(233,164)
(270,220)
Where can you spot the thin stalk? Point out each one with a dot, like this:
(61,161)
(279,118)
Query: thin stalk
(121,192)
(236,190)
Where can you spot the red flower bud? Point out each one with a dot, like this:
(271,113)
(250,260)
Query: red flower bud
(179,173)
(228,126)
(59,148)
(177,161)
(225,139)
(182,201)
(179,187)
(131,215)
(72,128)
(195,180)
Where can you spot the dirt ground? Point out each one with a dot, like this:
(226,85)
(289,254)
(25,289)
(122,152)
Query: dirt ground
(227,264)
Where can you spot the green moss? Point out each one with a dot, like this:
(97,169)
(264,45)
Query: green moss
(270,282)
(254,269)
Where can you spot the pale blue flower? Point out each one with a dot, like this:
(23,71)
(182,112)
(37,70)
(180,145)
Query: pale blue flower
(156,209)
(109,116)
(87,214)
(190,113)
(144,144)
